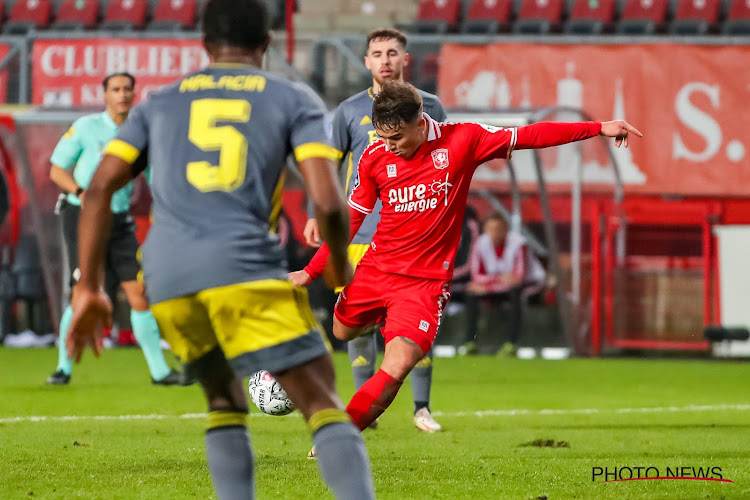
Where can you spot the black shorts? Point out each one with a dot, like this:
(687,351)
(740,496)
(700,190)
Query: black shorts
(121,261)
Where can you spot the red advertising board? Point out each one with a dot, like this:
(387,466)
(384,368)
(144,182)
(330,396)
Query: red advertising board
(69,72)
(4,50)
(688,100)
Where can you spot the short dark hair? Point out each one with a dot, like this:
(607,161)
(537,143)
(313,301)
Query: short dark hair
(495,215)
(105,82)
(235,23)
(397,103)
(387,34)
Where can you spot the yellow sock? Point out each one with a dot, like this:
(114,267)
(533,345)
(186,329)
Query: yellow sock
(325,417)
(225,419)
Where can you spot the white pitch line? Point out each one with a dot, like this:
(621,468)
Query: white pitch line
(484,413)
(592,411)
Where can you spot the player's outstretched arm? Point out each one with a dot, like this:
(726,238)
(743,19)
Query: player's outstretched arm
(620,130)
(330,214)
(91,306)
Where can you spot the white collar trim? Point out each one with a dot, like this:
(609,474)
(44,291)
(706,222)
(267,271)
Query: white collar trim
(433,128)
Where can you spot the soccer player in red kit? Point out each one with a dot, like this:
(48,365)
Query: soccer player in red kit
(421,171)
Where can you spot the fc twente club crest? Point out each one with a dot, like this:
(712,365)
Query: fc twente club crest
(440,158)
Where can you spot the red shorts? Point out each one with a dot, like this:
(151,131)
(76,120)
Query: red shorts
(411,307)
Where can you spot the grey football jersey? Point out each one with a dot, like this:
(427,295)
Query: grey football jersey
(217,143)
(353,132)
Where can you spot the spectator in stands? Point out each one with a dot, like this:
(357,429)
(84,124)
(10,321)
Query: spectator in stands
(502,269)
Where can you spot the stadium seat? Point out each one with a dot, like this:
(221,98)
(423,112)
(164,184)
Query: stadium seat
(174,15)
(695,17)
(76,15)
(642,17)
(590,17)
(427,74)
(488,16)
(538,16)
(27,15)
(437,16)
(125,15)
(738,20)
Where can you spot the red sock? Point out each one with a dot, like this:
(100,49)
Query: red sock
(371,400)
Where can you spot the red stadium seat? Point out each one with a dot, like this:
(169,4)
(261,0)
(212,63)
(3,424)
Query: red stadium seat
(738,20)
(76,15)
(27,15)
(174,15)
(125,15)
(437,16)
(538,16)
(642,17)
(488,16)
(428,73)
(590,16)
(695,17)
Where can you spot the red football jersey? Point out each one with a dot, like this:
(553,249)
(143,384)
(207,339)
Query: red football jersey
(424,197)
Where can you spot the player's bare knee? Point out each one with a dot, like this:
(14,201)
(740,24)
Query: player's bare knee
(311,386)
(401,356)
(226,396)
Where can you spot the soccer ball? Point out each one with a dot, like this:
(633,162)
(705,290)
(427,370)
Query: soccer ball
(268,395)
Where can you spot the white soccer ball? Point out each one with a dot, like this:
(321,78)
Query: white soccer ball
(268,395)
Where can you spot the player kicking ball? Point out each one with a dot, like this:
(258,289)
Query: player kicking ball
(421,171)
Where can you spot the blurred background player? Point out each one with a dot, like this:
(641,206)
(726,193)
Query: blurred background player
(80,149)
(403,279)
(503,269)
(352,132)
(218,140)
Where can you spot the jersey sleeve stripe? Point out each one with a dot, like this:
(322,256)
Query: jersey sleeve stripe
(122,150)
(317,150)
(359,208)
(513,139)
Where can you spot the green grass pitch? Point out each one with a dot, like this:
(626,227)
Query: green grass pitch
(110,434)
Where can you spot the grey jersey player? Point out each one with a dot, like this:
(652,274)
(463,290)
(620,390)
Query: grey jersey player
(217,141)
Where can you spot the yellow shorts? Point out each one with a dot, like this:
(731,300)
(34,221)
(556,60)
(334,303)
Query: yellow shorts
(356,251)
(257,325)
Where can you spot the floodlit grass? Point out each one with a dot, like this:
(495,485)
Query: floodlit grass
(607,413)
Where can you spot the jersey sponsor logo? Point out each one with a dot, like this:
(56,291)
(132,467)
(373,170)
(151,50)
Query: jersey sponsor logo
(441,187)
(424,326)
(419,197)
(391,170)
(440,158)
(365,120)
